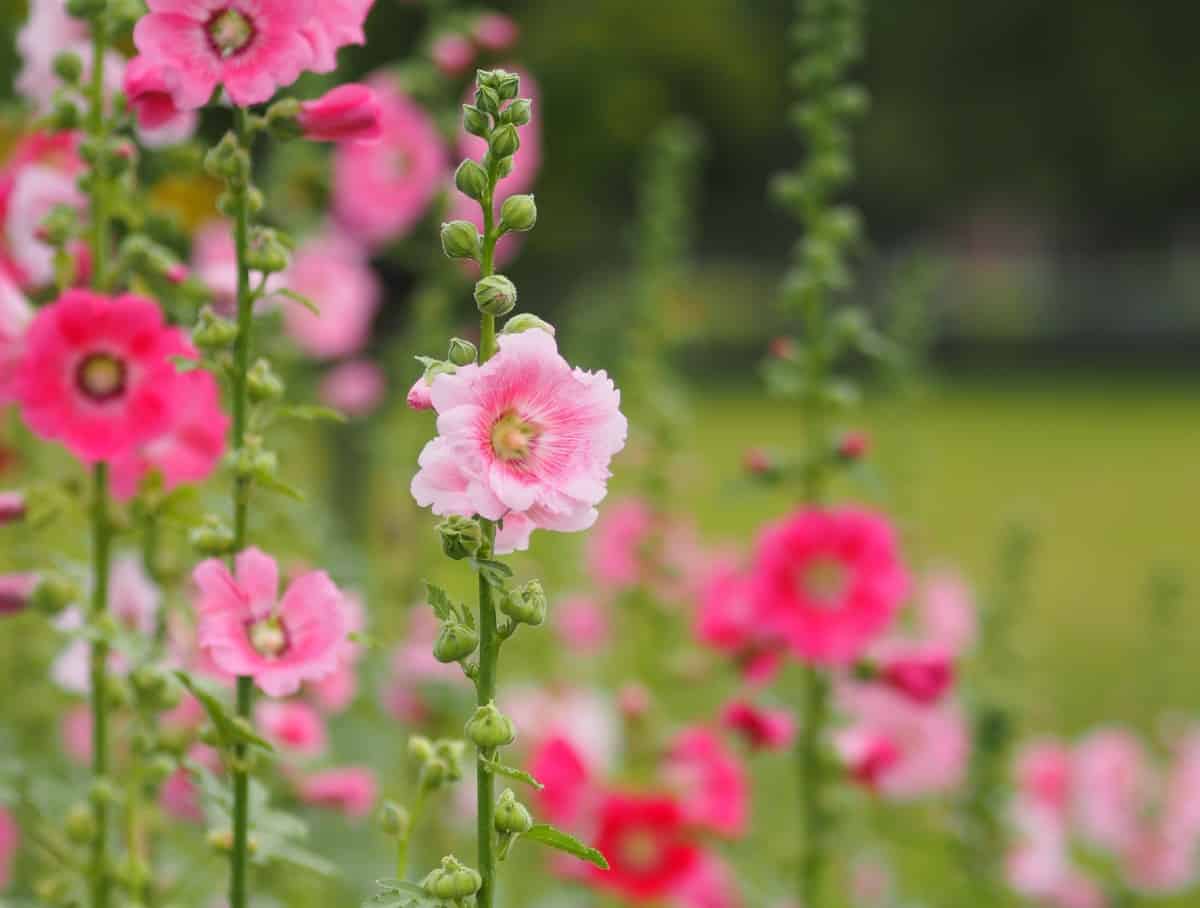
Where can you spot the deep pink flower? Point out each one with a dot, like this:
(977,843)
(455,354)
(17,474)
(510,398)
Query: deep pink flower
(248,631)
(334,273)
(190,448)
(15,592)
(97,375)
(333,25)
(523,434)
(348,113)
(355,388)
(381,189)
(566,778)
(647,843)
(1111,780)
(710,780)
(293,726)
(616,550)
(15,316)
(149,95)
(921,672)
(581,623)
(762,729)
(351,790)
(1044,775)
(828,582)
(10,841)
(180,797)
(453,54)
(495,32)
(251,48)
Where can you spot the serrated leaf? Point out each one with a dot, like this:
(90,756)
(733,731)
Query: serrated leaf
(511,772)
(401,894)
(439,601)
(553,837)
(302,300)
(313,413)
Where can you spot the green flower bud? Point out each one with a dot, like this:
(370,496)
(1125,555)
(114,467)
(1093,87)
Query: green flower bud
(504,167)
(433,774)
(65,115)
(489,728)
(68,66)
(262,384)
(526,321)
(394,820)
(58,226)
(213,333)
(81,824)
(451,751)
(519,212)
(504,141)
(159,769)
(269,252)
(149,684)
(101,792)
(462,352)
(54,593)
(224,160)
(462,537)
(512,817)
(460,240)
(454,642)
(453,880)
(283,119)
(116,692)
(212,538)
(487,100)
(471,180)
(508,85)
(420,749)
(495,295)
(518,113)
(526,605)
(475,121)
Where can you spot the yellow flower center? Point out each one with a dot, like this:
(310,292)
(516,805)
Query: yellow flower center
(825,582)
(230,31)
(268,637)
(101,377)
(512,437)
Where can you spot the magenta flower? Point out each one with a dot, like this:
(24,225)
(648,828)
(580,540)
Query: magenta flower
(761,728)
(922,672)
(381,189)
(248,631)
(828,582)
(333,272)
(523,436)
(711,781)
(349,113)
(97,375)
(292,726)
(333,25)
(567,781)
(15,592)
(149,94)
(351,790)
(10,840)
(15,316)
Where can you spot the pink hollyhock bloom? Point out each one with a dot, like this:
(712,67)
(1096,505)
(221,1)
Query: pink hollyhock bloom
(333,25)
(495,32)
(828,582)
(902,749)
(58,151)
(947,611)
(333,272)
(348,113)
(15,592)
(251,48)
(180,797)
(1079,891)
(149,95)
(15,316)
(711,884)
(97,376)
(356,388)
(1040,862)
(351,790)
(293,726)
(648,846)
(381,189)
(581,623)
(522,434)
(36,190)
(762,729)
(615,551)
(414,669)
(1181,789)
(452,54)
(12,508)
(921,672)
(248,631)
(191,447)
(1044,775)
(419,396)
(10,841)
(336,692)
(49,31)
(568,784)
(711,781)
(1156,861)
(1110,786)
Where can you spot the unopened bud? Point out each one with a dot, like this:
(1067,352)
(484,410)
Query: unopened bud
(262,384)
(475,121)
(495,295)
(471,180)
(54,593)
(454,642)
(526,321)
(213,537)
(394,820)
(283,119)
(81,824)
(68,66)
(519,212)
(527,605)
(420,749)
(512,817)
(453,881)
(462,537)
(433,774)
(488,728)
(212,332)
(505,141)
(460,240)
(853,446)
(518,113)
(462,352)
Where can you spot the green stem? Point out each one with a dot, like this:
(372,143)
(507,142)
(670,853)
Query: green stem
(241,497)
(812,804)
(101,556)
(418,812)
(97,128)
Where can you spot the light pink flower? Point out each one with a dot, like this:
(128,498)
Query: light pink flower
(581,623)
(355,388)
(10,841)
(452,53)
(828,582)
(251,48)
(36,190)
(381,189)
(947,611)
(75,730)
(523,434)
(351,790)
(710,884)
(190,448)
(49,31)
(334,273)
(15,592)
(334,693)
(1044,775)
(15,316)
(58,151)
(292,726)
(419,397)
(762,729)
(616,550)
(1111,783)
(495,32)
(912,751)
(333,25)
(584,718)
(1158,861)
(98,375)
(348,113)
(248,631)
(711,780)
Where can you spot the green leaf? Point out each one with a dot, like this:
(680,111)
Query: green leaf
(313,413)
(229,730)
(302,300)
(279,487)
(555,838)
(439,600)
(511,772)
(400,894)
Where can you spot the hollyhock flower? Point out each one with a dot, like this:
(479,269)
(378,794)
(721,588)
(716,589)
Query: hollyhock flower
(1040,864)
(12,508)
(921,672)
(293,726)
(335,692)
(901,749)
(947,611)
(581,623)
(1044,775)
(348,113)
(1157,861)
(57,151)
(584,718)
(381,189)
(522,434)
(146,87)
(711,884)
(355,388)
(452,54)
(15,316)
(180,797)
(333,25)
(419,396)
(828,582)
(248,631)
(1181,789)
(15,592)
(189,449)
(97,376)
(334,273)
(495,32)
(646,840)
(36,190)
(48,31)
(251,48)
(710,780)
(10,841)
(762,729)
(567,780)
(615,549)
(1111,782)
(351,790)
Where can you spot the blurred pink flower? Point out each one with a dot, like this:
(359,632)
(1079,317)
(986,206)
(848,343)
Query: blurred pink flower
(1044,775)
(414,670)
(293,726)
(48,31)
(583,717)
(581,623)
(75,730)
(760,728)
(710,884)
(15,316)
(150,96)
(922,672)
(615,551)
(710,780)
(356,388)
(567,780)
(332,271)
(214,263)
(351,790)
(452,53)
(348,113)
(37,189)
(947,613)
(15,592)
(10,841)
(179,796)
(1111,783)
(495,32)
(648,844)
(333,25)
(334,693)
(13,508)
(1159,861)
(56,151)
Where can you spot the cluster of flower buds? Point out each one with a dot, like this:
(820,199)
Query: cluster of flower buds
(439,763)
